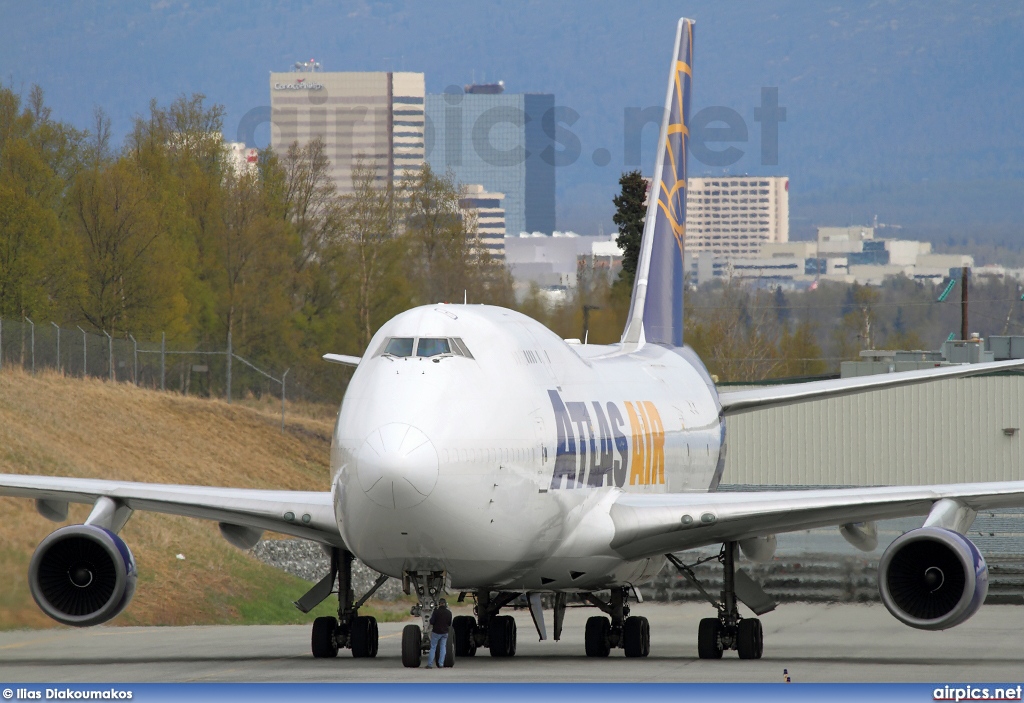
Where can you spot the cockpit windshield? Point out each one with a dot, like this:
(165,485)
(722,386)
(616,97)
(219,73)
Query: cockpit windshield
(432,346)
(399,346)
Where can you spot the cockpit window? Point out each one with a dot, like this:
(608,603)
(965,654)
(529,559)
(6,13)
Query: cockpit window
(460,348)
(399,346)
(432,346)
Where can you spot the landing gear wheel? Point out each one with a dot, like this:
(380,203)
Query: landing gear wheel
(709,642)
(636,637)
(449,652)
(595,639)
(502,636)
(364,637)
(412,639)
(464,631)
(750,639)
(323,643)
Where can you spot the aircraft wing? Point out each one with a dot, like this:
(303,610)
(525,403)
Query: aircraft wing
(305,514)
(647,525)
(773,396)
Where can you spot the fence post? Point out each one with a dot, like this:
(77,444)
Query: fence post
(85,354)
(58,344)
(135,361)
(33,345)
(229,367)
(110,354)
(163,360)
(283,377)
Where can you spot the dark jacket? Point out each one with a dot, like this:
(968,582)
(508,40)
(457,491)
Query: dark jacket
(441,620)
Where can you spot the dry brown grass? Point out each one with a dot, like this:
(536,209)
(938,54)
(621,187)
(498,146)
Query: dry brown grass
(59,426)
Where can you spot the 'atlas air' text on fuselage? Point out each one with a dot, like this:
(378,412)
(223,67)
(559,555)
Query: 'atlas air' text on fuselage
(607,443)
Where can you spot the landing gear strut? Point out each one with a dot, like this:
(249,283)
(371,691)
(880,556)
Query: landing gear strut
(632,634)
(427,586)
(728,630)
(487,628)
(349,630)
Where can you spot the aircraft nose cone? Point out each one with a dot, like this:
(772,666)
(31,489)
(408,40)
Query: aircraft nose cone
(397,466)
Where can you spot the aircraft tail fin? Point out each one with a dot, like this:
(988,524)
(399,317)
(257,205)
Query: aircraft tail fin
(656,309)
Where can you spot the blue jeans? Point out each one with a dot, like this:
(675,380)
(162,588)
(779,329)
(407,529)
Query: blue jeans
(436,639)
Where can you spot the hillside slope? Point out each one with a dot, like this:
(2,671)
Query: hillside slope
(72,427)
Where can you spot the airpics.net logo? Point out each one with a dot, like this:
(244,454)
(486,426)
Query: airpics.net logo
(977,693)
(720,137)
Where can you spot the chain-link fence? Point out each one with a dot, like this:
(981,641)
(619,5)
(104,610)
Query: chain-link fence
(215,373)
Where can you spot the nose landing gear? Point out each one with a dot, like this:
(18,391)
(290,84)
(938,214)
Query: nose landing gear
(428,586)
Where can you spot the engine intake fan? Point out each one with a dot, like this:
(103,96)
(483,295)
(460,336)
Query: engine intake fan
(932,578)
(82,575)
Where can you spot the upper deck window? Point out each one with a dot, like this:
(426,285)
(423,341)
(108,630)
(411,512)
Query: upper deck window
(399,346)
(432,346)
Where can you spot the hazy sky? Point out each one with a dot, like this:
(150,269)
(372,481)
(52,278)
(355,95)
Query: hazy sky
(889,93)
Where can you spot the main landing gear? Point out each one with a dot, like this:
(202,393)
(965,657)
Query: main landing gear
(487,628)
(632,634)
(428,586)
(728,630)
(349,630)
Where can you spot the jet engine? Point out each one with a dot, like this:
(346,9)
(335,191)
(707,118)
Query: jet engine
(82,575)
(932,578)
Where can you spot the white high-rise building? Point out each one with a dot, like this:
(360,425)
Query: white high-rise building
(490,217)
(373,119)
(736,215)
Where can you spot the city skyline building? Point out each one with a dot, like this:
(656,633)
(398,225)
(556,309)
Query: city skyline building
(373,119)
(736,215)
(490,217)
(497,140)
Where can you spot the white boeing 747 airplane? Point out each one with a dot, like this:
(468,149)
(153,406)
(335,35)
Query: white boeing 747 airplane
(476,451)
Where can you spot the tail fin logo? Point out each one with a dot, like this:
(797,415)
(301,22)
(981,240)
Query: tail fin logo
(672,187)
(656,311)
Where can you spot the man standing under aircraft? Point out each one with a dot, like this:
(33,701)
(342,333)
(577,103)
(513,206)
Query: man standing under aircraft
(440,623)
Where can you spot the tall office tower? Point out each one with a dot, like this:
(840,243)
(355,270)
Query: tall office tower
(373,119)
(497,140)
(490,217)
(736,215)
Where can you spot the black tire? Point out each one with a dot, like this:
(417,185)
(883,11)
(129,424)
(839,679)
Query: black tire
(750,639)
(412,639)
(464,631)
(511,629)
(364,637)
(502,636)
(595,639)
(449,651)
(322,642)
(636,637)
(709,642)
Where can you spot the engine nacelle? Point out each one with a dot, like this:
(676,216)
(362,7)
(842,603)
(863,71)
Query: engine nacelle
(82,575)
(932,578)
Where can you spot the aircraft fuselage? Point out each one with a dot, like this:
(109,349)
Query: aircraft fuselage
(497,460)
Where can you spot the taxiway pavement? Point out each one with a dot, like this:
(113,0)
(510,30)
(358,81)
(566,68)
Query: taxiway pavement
(831,643)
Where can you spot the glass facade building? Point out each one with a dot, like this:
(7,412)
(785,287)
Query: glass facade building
(504,143)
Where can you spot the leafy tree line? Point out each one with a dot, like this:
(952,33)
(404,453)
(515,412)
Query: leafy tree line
(163,234)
